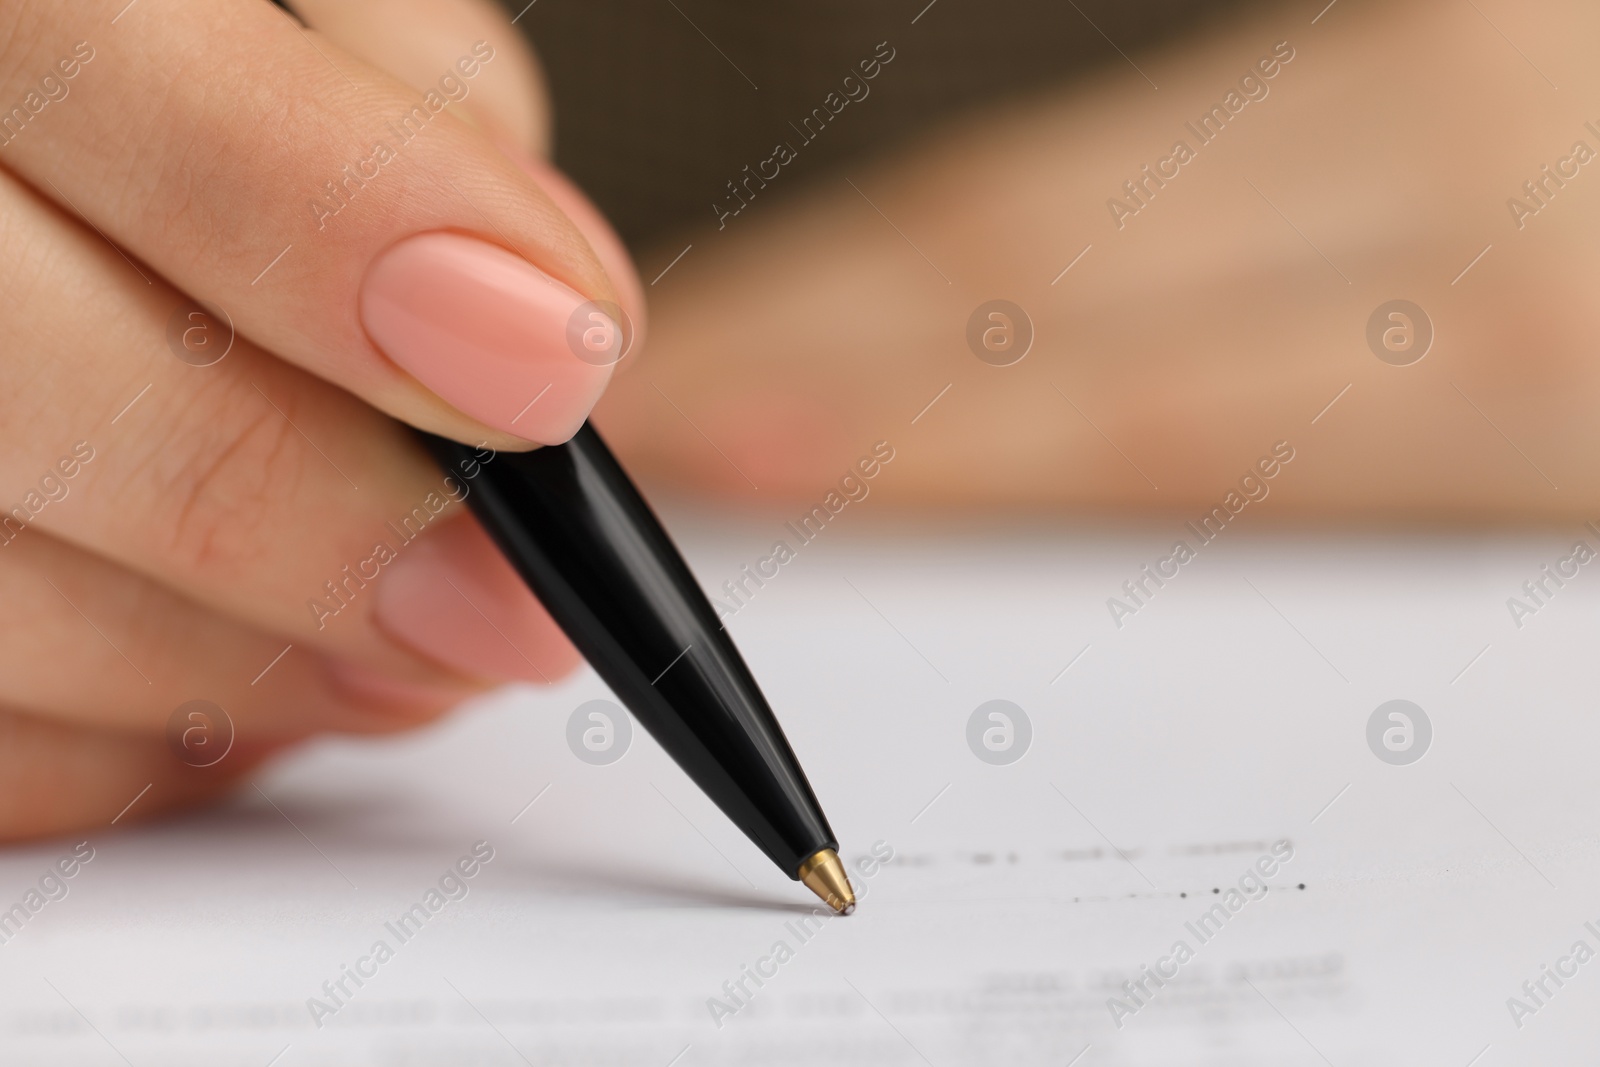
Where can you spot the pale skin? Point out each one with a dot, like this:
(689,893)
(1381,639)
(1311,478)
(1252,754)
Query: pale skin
(1171,356)
(179,561)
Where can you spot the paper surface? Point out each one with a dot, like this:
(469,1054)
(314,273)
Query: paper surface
(1228,714)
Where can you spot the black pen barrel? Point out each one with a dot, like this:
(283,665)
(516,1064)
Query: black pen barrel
(578,531)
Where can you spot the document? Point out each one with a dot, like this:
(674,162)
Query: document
(1315,800)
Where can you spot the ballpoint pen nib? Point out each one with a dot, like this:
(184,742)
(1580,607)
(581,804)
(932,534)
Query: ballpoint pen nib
(824,875)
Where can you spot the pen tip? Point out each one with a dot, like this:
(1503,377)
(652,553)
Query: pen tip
(824,875)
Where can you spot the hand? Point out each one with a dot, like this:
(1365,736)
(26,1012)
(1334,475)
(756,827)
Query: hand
(257,531)
(1185,344)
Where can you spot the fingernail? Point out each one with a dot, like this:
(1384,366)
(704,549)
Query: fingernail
(486,330)
(603,240)
(452,597)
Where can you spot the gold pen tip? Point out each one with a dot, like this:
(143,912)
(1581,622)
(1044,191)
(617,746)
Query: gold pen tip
(824,875)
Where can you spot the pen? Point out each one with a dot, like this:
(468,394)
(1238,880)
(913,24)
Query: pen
(583,538)
(575,527)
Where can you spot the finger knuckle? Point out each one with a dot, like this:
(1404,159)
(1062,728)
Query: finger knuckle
(226,483)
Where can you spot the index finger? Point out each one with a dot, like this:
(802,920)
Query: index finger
(340,219)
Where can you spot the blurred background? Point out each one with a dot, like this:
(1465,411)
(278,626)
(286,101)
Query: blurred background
(1175,339)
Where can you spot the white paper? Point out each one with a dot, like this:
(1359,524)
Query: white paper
(1224,716)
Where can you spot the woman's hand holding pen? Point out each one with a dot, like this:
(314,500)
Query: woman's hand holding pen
(344,202)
